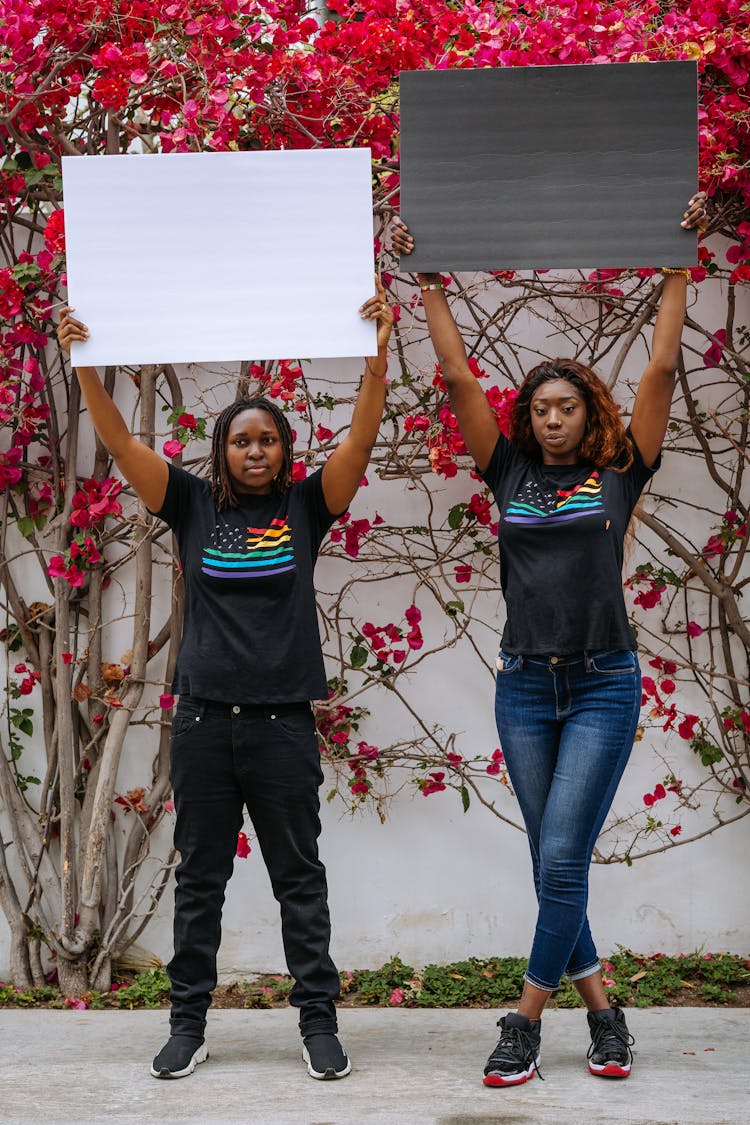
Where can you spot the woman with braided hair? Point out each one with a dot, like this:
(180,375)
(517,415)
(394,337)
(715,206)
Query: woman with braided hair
(250,662)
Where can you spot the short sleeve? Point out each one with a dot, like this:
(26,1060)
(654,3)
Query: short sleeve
(181,489)
(639,472)
(310,493)
(500,461)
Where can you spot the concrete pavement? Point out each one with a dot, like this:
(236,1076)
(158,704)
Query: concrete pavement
(411,1066)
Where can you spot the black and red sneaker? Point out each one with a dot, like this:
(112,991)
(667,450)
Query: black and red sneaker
(609,1054)
(516,1055)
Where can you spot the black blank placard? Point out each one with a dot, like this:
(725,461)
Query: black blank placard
(543,166)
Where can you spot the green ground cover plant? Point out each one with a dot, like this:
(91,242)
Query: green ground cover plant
(632,979)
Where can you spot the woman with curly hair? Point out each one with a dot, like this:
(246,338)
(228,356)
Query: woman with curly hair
(250,662)
(568,688)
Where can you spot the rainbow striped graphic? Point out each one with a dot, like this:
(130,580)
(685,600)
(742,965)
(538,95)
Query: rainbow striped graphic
(534,506)
(253,552)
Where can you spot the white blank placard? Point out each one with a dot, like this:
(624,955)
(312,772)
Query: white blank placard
(201,257)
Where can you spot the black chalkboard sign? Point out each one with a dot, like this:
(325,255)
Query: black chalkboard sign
(549,166)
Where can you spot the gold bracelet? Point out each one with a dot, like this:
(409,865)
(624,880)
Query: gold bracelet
(669,270)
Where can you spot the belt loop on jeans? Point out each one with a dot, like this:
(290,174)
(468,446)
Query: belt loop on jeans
(588,661)
(521,662)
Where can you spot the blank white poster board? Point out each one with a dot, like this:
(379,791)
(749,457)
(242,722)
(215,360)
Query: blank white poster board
(201,257)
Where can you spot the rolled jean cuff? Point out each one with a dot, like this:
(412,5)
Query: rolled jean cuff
(541,983)
(581,974)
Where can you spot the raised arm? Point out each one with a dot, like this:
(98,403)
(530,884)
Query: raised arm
(344,469)
(143,469)
(653,400)
(475,418)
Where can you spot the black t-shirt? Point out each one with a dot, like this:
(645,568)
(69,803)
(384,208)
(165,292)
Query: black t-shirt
(561,535)
(250,632)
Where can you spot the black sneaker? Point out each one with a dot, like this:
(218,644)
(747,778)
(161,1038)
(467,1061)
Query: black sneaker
(325,1057)
(179,1057)
(516,1055)
(609,1054)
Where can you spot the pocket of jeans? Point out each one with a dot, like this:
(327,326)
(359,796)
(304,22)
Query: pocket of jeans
(507,662)
(620,662)
(297,723)
(187,716)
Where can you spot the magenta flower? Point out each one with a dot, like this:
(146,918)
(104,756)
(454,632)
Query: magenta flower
(172,448)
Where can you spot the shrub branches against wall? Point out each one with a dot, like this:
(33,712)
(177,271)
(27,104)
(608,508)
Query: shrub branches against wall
(78,877)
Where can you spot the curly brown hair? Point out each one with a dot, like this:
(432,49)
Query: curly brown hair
(605,443)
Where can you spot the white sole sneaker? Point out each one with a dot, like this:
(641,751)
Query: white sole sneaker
(198,1057)
(330,1073)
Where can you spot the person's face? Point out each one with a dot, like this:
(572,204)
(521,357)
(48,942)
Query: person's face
(254,452)
(558,419)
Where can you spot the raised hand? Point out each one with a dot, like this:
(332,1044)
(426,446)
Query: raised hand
(377,308)
(70,331)
(696,214)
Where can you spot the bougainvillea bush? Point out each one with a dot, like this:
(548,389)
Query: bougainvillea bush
(79,879)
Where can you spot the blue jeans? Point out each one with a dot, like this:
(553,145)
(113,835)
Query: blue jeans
(263,758)
(566,727)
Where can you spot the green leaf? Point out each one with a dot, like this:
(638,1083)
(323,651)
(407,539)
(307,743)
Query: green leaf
(358,657)
(465,798)
(26,526)
(455,607)
(456,516)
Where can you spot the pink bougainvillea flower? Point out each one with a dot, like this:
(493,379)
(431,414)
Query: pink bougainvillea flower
(168,805)
(54,232)
(172,448)
(397,996)
(432,784)
(77,1003)
(463,572)
(497,761)
(714,355)
(67,658)
(676,830)
(187,421)
(166,701)
(693,629)
(243,846)
(687,727)
(364,750)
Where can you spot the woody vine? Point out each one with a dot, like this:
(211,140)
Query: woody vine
(79,879)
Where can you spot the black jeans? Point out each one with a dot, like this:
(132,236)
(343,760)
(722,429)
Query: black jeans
(266,758)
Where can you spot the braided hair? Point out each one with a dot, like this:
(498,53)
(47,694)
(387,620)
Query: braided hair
(222,487)
(605,443)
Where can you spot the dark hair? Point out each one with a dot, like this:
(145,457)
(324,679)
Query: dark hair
(221,481)
(605,443)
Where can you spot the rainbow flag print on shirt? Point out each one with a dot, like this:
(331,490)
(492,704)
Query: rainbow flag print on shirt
(252,552)
(534,506)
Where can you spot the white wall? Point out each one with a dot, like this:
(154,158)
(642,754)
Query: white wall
(433,884)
